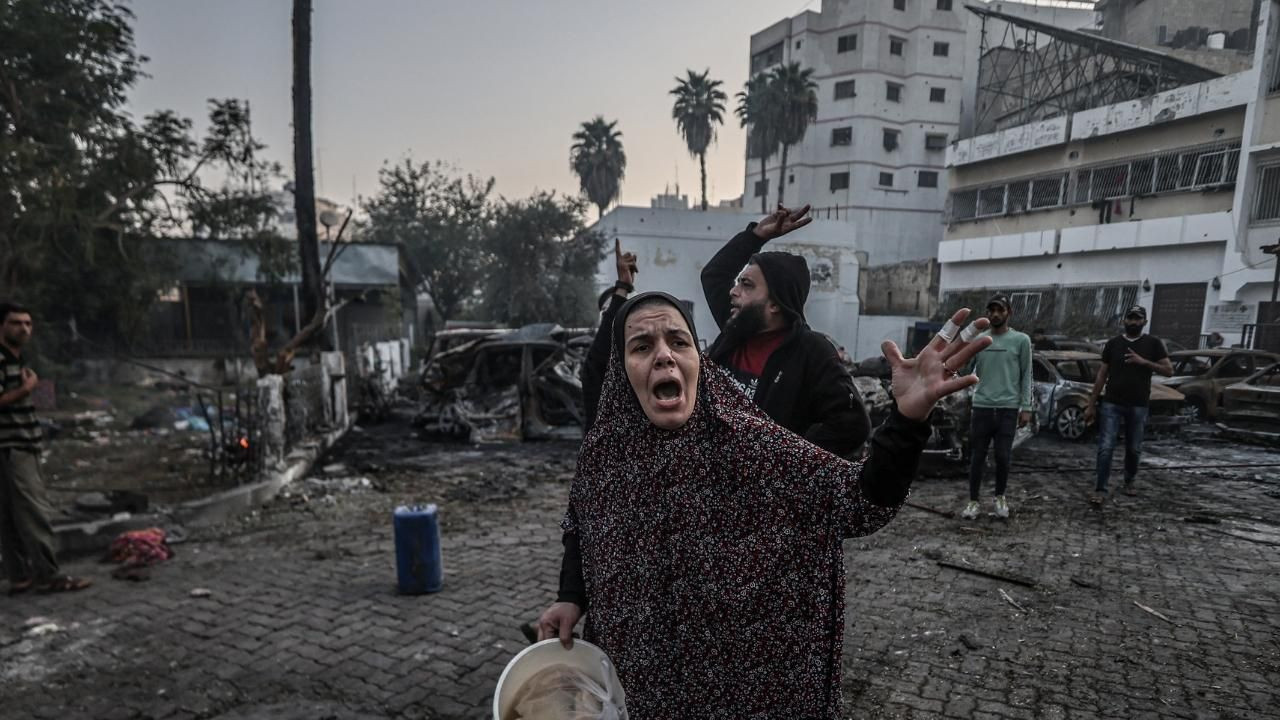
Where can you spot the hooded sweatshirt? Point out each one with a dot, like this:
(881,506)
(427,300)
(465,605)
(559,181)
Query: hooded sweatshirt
(803,386)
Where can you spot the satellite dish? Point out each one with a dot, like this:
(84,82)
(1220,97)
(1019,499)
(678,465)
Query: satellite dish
(328,218)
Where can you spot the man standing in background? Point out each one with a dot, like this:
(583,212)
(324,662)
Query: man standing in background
(1001,403)
(1127,363)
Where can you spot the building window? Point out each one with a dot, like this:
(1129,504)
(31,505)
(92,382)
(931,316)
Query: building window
(928,179)
(841,136)
(845,89)
(1267,204)
(896,44)
(762,188)
(847,43)
(839,181)
(944,4)
(937,94)
(941,49)
(893,92)
(933,141)
(771,55)
(891,139)
(899,4)
(798,44)
(791,179)
(886,179)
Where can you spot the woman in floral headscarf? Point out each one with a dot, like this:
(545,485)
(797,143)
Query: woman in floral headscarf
(703,542)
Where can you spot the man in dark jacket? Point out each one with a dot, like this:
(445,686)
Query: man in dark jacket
(593,369)
(792,372)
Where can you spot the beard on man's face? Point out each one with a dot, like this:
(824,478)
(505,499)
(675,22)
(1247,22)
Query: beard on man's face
(747,323)
(1133,329)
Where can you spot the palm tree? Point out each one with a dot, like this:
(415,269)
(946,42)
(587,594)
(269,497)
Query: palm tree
(756,113)
(697,111)
(598,160)
(795,94)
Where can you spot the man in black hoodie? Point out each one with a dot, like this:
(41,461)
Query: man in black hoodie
(792,372)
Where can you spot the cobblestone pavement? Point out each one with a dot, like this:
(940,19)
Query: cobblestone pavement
(1162,606)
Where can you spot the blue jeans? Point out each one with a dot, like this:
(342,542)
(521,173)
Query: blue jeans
(1110,419)
(987,426)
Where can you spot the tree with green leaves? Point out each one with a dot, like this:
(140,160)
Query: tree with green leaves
(698,108)
(757,113)
(541,262)
(794,92)
(81,185)
(440,220)
(598,160)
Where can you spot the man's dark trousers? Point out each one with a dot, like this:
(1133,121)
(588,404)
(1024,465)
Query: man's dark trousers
(27,539)
(988,425)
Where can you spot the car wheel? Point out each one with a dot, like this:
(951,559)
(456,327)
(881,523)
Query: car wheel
(1069,422)
(1194,411)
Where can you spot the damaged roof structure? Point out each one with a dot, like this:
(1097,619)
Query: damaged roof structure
(1031,71)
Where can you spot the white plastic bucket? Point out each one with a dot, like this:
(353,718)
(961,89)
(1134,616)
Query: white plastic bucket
(528,662)
(1217,40)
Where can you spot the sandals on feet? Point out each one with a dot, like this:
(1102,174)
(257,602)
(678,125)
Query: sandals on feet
(64,583)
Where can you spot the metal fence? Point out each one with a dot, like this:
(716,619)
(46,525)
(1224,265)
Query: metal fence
(1261,336)
(1203,167)
(1267,204)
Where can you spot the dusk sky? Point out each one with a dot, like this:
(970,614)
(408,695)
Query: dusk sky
(495,87)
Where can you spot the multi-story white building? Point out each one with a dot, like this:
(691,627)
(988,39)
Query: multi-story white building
(1143,180)
(890,75)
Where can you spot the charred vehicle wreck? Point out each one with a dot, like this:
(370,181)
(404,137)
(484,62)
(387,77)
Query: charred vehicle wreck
(504,385)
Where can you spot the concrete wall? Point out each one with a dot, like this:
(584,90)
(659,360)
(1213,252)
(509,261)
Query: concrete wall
(673,246)
(908,288)
(1184,23)
(875,329)
(1215,127)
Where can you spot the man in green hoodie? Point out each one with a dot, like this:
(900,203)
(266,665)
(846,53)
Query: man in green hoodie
(1001,403)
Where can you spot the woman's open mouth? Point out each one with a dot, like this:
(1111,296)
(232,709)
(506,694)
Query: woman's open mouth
(667,394)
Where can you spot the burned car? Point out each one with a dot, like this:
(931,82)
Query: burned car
(949,439)
(505,385)
(1251,408)
(1203,375)
(1063,381)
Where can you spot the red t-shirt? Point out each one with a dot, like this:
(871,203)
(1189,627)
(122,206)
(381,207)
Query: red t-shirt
(747,362)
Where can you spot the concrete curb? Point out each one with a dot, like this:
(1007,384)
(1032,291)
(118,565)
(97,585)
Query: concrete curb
(95,536)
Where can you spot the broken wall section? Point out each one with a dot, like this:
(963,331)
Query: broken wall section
(301,410)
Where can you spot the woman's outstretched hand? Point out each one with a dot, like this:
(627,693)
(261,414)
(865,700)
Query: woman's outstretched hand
(920,382)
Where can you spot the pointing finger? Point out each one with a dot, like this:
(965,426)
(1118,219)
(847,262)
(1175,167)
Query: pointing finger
(617,247)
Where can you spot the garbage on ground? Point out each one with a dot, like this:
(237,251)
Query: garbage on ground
(137,550)
(505,385)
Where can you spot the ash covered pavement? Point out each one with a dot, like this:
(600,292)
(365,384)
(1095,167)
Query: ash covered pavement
(1161,605)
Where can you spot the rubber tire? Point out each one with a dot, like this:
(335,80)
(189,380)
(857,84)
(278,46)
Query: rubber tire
(1072,417)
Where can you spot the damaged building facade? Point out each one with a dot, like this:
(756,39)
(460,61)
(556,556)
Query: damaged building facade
(1100,174)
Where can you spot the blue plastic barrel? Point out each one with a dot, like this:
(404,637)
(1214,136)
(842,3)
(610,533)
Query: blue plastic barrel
(418,566)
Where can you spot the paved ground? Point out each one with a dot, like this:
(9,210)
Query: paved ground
(301,620)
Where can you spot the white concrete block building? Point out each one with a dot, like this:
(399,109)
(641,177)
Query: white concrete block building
(1165,200)
(890,77)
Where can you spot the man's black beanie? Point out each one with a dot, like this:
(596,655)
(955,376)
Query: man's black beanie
(788,279)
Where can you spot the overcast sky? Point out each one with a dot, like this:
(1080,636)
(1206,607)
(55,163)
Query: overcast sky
(495,87)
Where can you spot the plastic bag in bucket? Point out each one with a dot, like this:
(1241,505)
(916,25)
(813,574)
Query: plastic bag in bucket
(562,692)
(546,680)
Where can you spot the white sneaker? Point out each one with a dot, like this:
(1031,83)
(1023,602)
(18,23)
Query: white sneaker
(1002,507)
(970,511)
